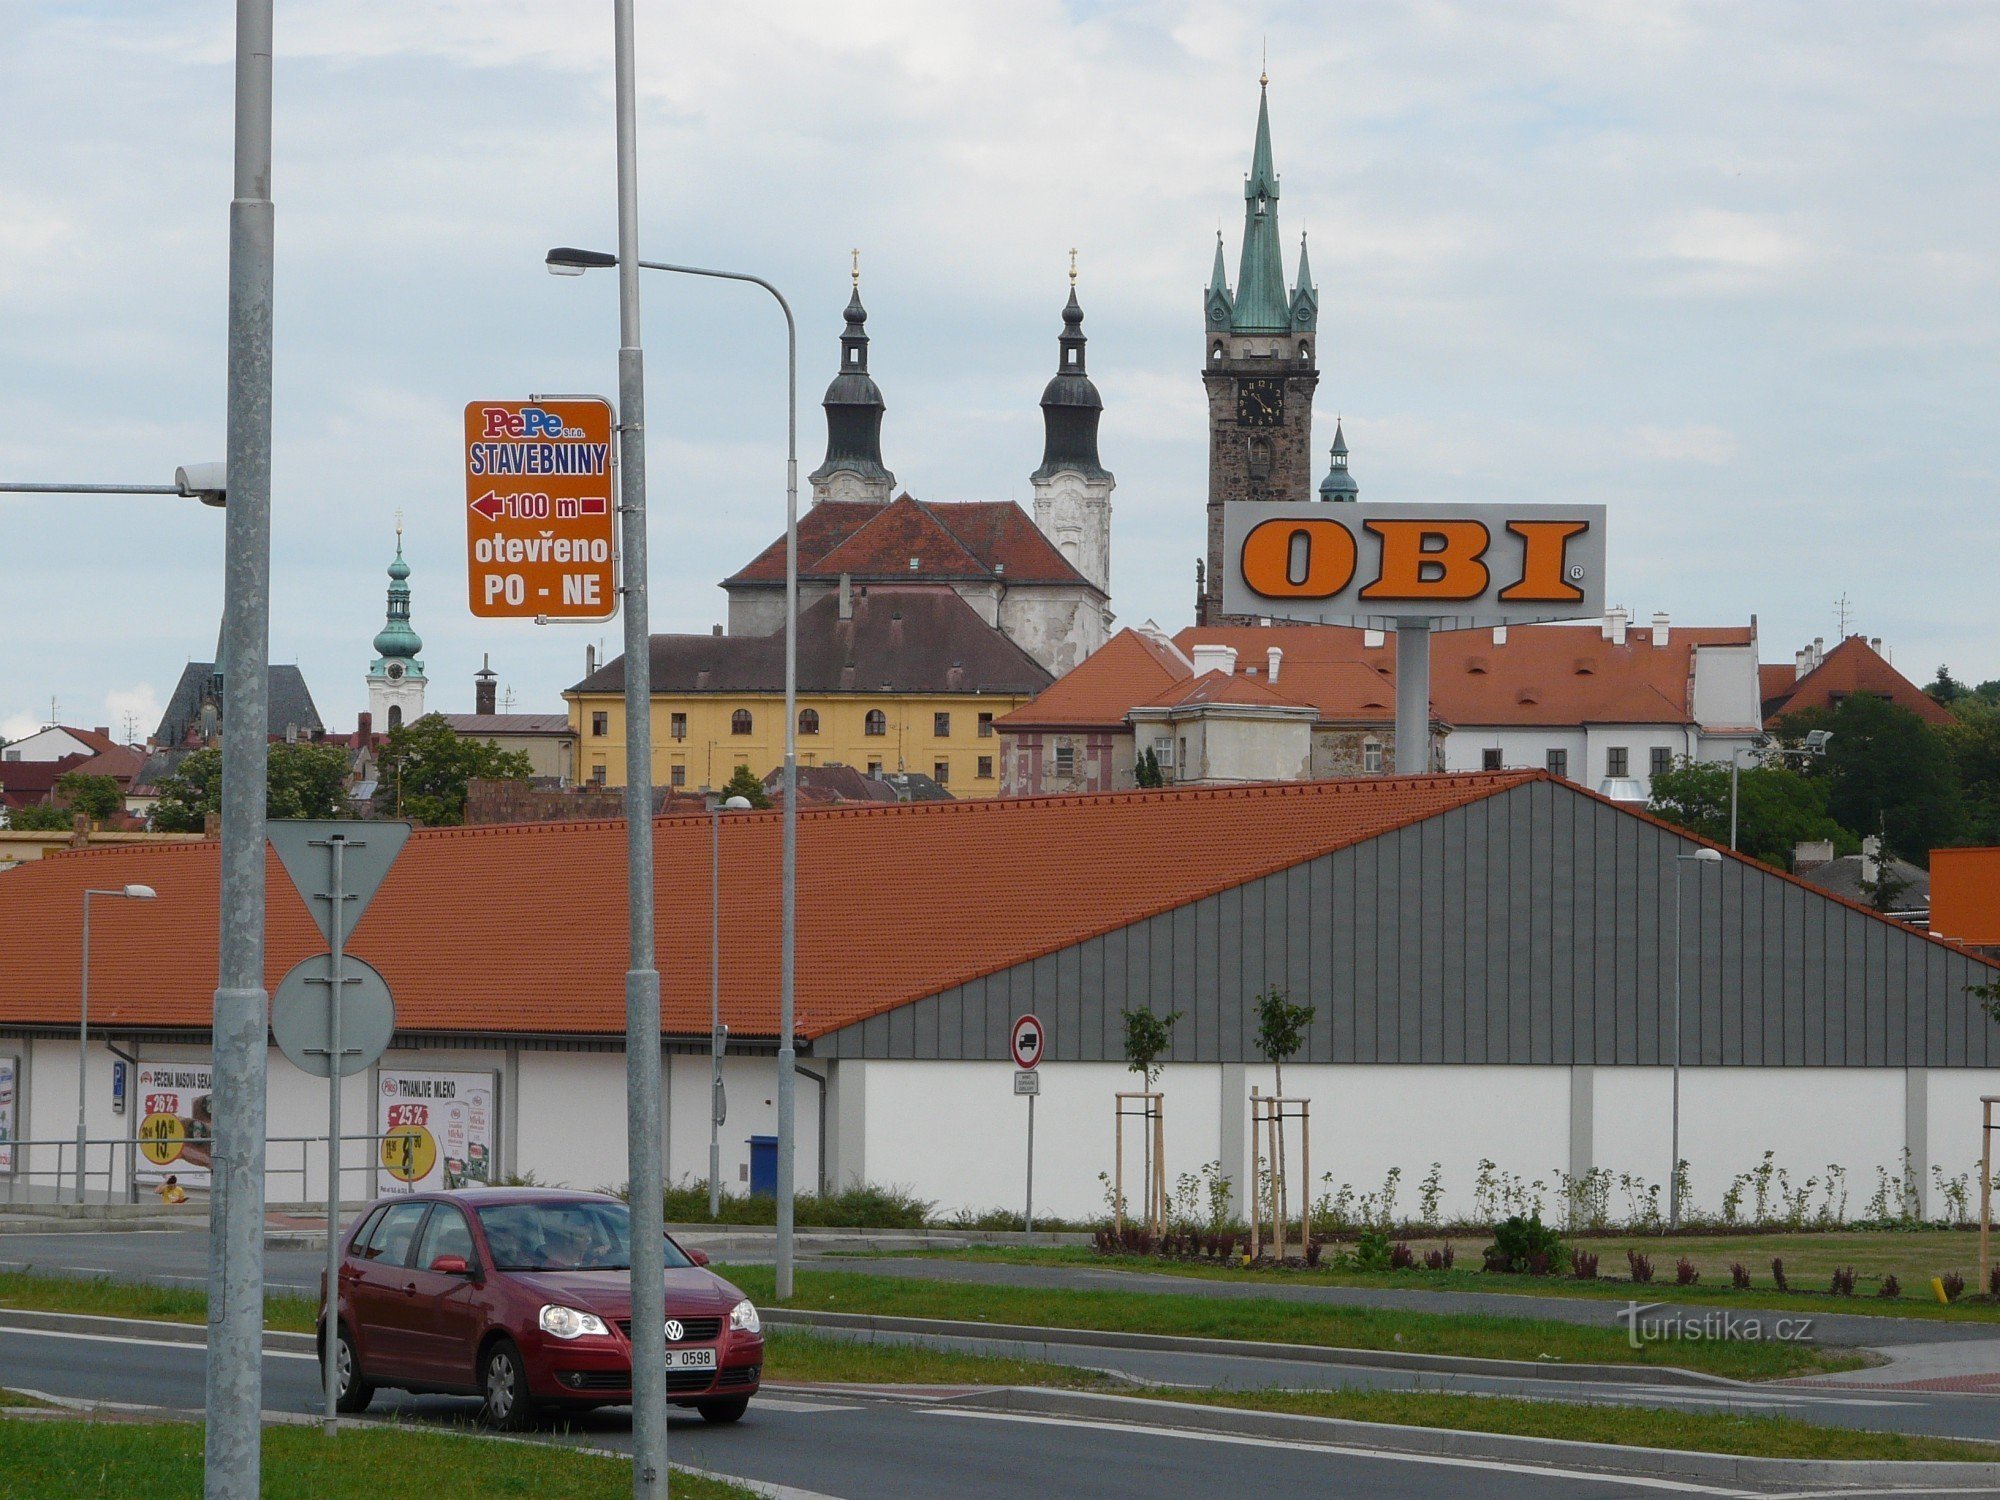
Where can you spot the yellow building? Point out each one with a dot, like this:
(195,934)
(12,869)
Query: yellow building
(892,679)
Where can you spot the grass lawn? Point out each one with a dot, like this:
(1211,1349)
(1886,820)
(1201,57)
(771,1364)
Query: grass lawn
(798,1354)
(15,1398)
(104,1297)
(56,1460)
(1286,1322)
(1809,1262)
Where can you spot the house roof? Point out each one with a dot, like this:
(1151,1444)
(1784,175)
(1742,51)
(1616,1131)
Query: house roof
(554,724)
(290,699)
(900,639)
(1842,877)
(831,785)
(953,541)
(1852,667)
(1542,674)
(27,782)
(1129,668)
(121,763)
(535,941)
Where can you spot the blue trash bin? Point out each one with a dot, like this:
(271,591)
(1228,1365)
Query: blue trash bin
(763,1166)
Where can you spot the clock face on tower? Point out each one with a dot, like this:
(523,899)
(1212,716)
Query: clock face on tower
(1260,402)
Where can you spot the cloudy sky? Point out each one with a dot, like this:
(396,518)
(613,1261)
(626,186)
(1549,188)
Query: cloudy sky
(1731,270)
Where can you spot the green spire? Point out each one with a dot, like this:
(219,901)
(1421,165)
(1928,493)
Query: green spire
(397,640)
(1219,305)
(1305,296)
(1261,304)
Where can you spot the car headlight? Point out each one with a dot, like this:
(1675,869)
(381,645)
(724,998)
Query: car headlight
(571,1322)
(743,1317)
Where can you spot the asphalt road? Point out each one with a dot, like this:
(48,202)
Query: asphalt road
(860,1448)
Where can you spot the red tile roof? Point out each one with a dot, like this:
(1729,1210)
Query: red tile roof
(24,783)
(97,739)
(953,540)
(521,928)
(1849,668)
(1127,669)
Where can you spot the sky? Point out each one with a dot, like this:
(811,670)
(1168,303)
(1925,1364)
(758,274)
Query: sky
(1732,271)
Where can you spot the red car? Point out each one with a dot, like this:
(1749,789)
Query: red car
(523,1296)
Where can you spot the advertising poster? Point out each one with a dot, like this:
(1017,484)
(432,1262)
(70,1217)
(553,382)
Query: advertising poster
(176,1121)
(10,1093)
(437,1130)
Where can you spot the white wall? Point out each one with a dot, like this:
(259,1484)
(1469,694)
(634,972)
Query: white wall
(1953,1096)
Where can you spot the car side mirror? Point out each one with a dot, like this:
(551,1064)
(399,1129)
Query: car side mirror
(451,1265)
(699,1257)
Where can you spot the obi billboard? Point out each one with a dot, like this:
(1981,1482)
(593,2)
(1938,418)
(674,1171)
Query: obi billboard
(541,525)
(1456,566)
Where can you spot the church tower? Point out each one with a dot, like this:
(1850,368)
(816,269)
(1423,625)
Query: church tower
(396,679)
(1258,367)
(1072,488)
(853,468)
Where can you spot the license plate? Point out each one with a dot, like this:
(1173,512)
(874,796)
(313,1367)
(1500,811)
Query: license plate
(690,1359)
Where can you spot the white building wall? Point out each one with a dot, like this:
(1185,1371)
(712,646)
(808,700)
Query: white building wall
(1952,1117)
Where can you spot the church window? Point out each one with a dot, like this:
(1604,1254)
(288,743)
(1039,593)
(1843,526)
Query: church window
(941,726)
(1260,459)
(808,721)
(985,768)
(395,716)
(1065,760)
(1216,352)
(986,726)
(1371,756)
(1071,353)
(853,357)
(600,724)
(877,722)
(677,726)
(941,772)
(739,722)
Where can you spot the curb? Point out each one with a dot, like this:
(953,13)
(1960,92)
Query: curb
(1677,1463)
(158,1330)
(1316,1354)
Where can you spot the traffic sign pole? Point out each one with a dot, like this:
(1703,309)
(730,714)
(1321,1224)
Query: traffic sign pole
(335,897)
(1028,1218)
(1028,1042)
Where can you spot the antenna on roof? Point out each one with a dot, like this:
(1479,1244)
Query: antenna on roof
(1843,607)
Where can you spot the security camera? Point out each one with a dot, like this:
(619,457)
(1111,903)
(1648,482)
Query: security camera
(203,482)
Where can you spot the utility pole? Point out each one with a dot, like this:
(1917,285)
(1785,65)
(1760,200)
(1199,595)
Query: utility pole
(233,1444)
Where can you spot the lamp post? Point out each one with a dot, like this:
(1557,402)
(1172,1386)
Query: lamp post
(1705,858)
(716,808)
(126,893)
(1815,744)
(567,261)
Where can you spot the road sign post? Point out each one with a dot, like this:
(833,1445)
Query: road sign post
(541,531)
(336,869)
(1027,1043)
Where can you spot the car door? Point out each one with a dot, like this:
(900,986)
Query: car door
(378,1294)
(443,1320)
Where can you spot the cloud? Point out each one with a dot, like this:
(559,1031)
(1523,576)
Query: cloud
(1699,445)
(133,712)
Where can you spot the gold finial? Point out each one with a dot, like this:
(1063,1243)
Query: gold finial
(1264,71)
(857,267)
(399,524)
(1072,265)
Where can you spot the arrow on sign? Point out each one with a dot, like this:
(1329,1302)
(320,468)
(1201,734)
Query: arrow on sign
(489,505)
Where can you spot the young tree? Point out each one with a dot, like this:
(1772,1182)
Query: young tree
(96,797)
(1147,1036)
(1146,772)
(1281,1029)
(1885,891)
(426,765)
(744,784)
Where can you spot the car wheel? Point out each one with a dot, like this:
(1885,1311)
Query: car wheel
(730,1410)
(504,1380)
(351,1392)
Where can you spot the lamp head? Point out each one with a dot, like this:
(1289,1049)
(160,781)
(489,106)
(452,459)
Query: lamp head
(1705,856)
(1816,740)
(737,804)
(566,260)
(138,893)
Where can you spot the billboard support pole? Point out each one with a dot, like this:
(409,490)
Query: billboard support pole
(1413,697)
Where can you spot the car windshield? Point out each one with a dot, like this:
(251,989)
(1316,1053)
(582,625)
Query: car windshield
(563,1236)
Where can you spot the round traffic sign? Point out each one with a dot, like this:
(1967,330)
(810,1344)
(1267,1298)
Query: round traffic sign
(1028,1041)
(300,1023)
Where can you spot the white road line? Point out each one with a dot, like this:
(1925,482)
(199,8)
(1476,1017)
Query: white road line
(779,1403)
(756,1486)
(1542,1471)
(119,1338)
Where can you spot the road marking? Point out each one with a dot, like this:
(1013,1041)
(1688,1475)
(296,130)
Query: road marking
(1540,1471)
(119,1338)
(779,1403)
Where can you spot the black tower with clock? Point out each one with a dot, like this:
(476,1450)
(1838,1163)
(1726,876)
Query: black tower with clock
(1259,367)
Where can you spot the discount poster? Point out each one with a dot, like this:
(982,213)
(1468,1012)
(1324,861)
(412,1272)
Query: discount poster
(437,1130)
(176,1121)
(10,1093)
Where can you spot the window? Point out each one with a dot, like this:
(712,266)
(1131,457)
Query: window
(446,1234)
(677,776)
(395,716)
(739,722)
(1065,760)
(1663,760)
(986,726)
(600,725)
(877,722)
(1617,761)
(985,768)
(941,726)
(358,1245)
(1371,756)
(1559,762)
(597,774)
(1489,760)
(941,772)
(398,1227)
(677,726)
(1183,761)
(875,770)
(808,721)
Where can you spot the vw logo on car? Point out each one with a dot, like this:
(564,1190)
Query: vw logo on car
(675,1331)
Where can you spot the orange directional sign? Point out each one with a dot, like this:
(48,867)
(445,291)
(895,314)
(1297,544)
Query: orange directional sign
(541,528)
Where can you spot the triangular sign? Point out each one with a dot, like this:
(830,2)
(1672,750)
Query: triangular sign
(368,848)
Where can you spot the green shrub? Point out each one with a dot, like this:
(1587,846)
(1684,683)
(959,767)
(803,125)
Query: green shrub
(1527,1245)
(1372,1252)
(864,1206)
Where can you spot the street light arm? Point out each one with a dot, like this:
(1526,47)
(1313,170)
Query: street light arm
(87,489)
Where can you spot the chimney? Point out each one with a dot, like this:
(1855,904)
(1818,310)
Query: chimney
(1659,627)
(1214,659)
(483,684)
(846,596)
(1810,856)
(1274,655)
(1871,859)
(364,727)
(1801,662)
(1499,635)
(107,733)
(589,661)
(715,630)
(1614,624)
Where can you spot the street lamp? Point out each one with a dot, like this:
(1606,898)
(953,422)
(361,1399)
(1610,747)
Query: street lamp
(568,261)
(126,893)
(1705,858)
(716,808)
(203,482)
(1815,744)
